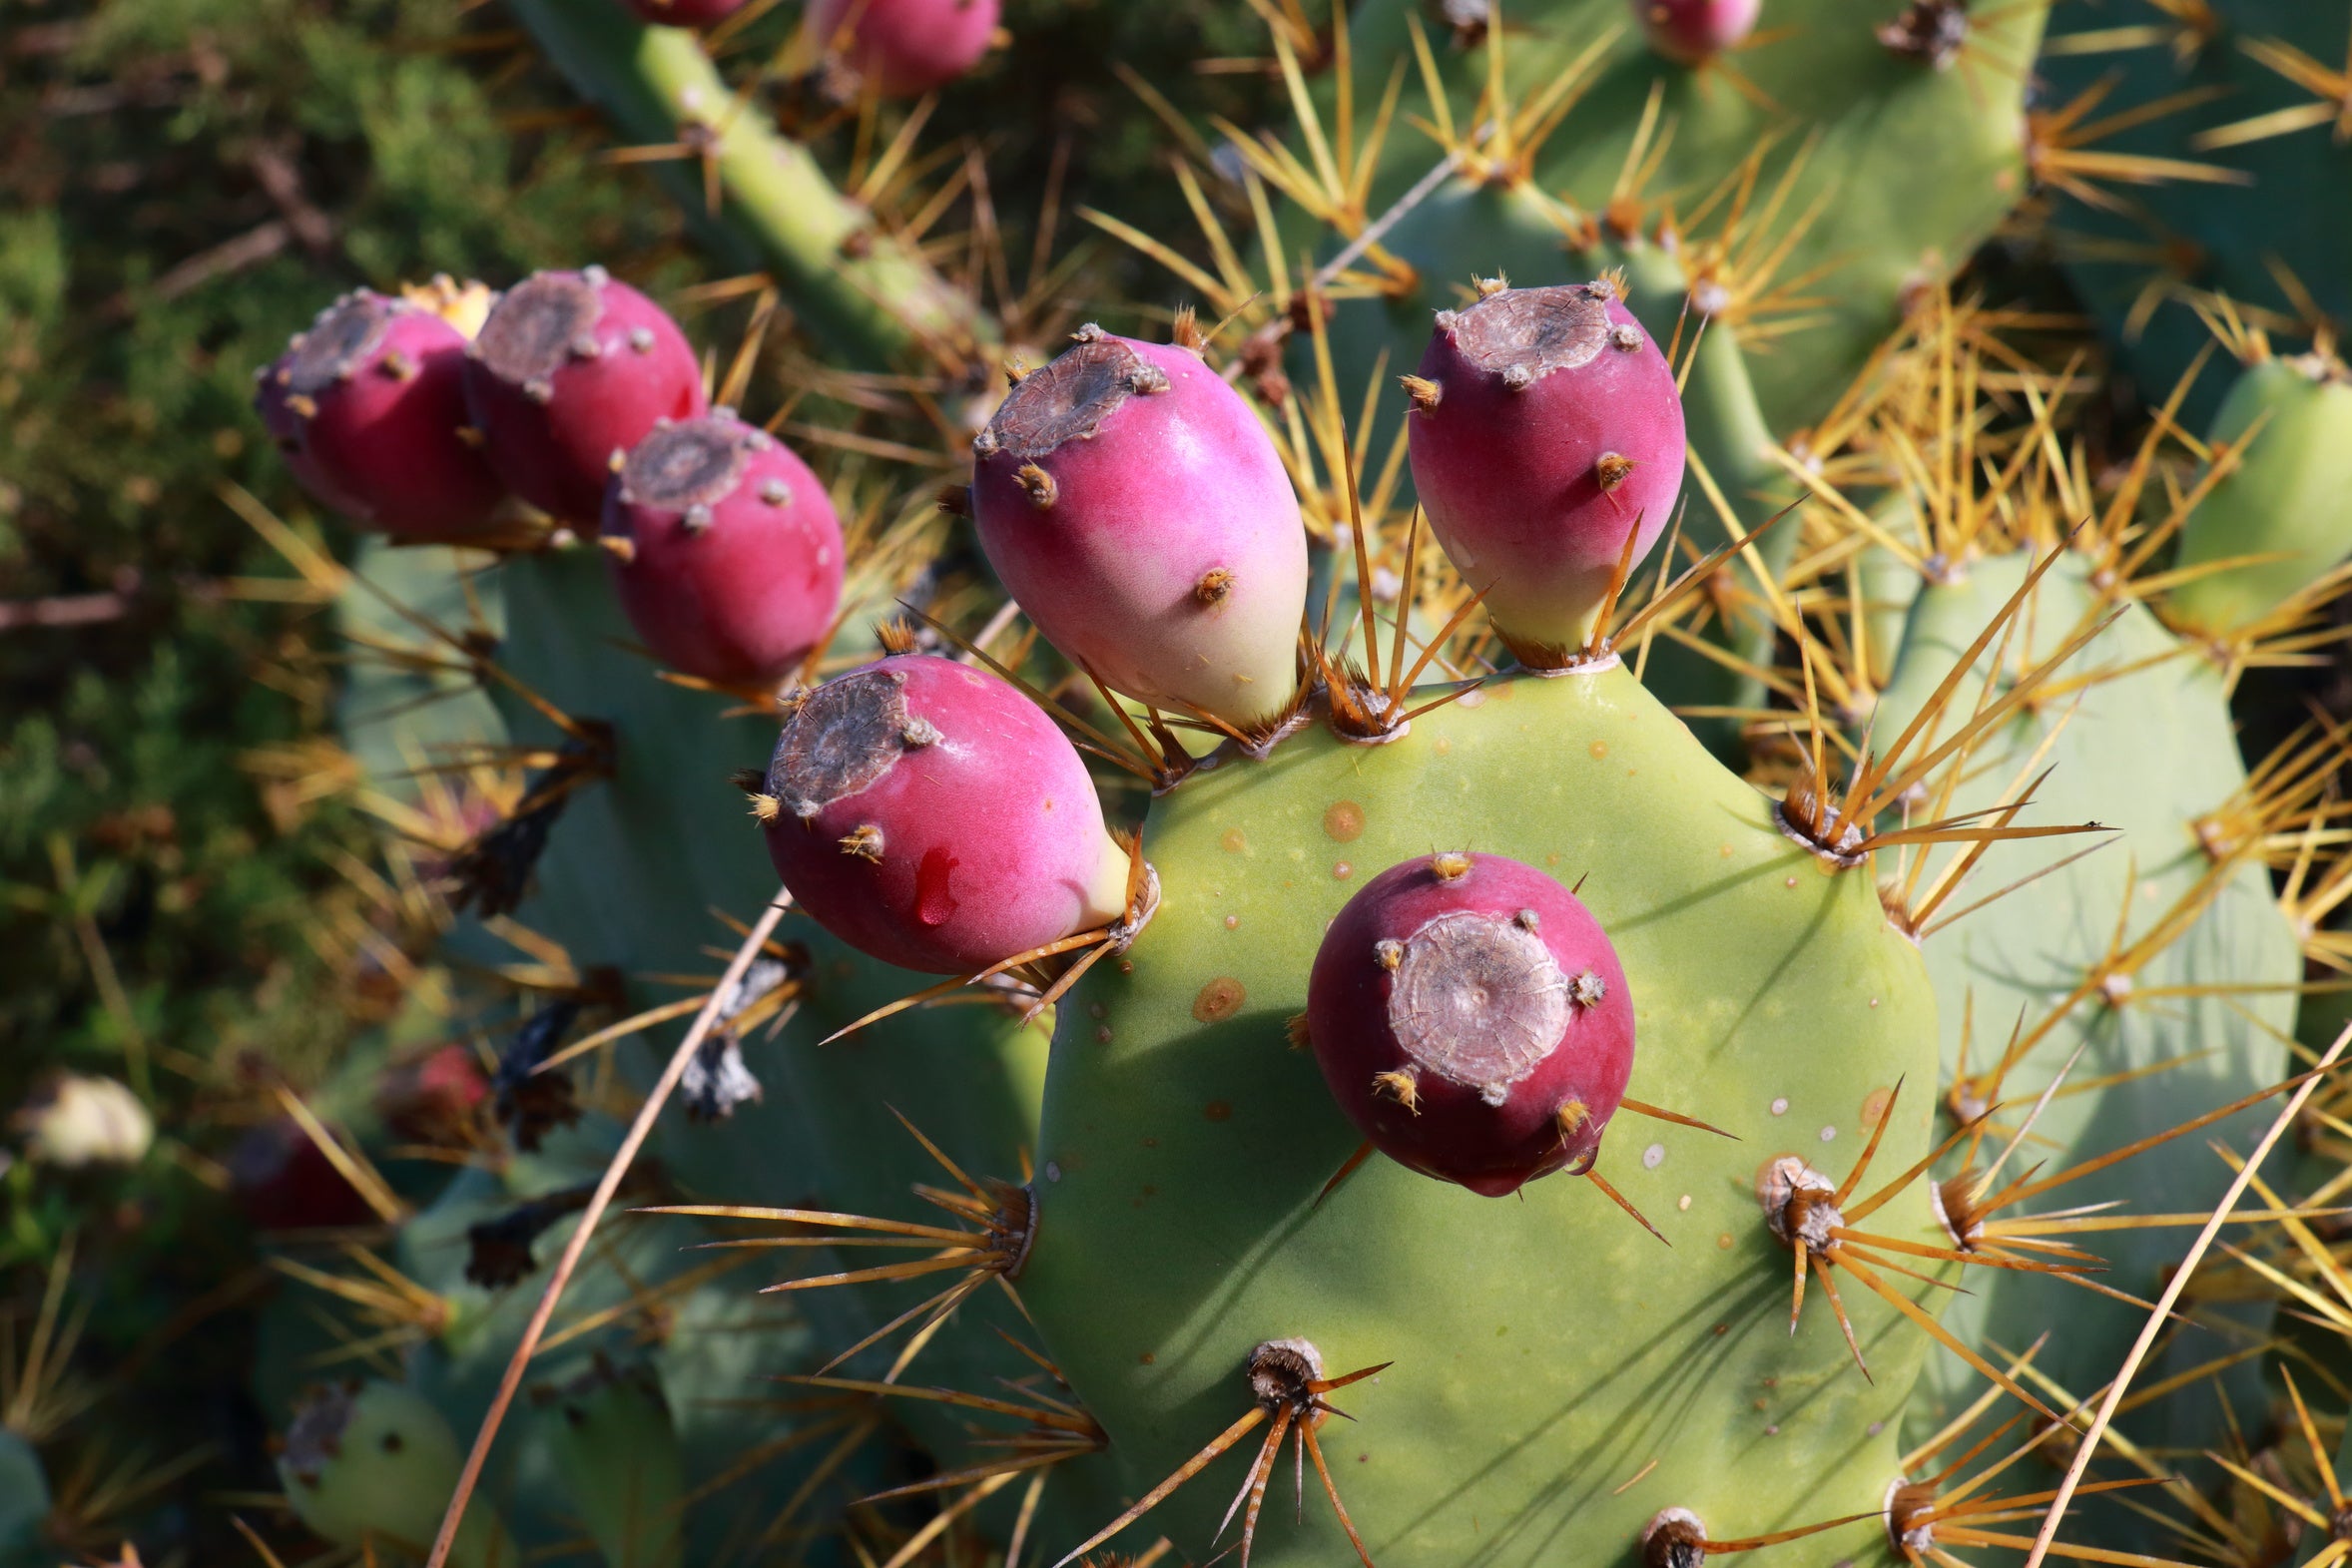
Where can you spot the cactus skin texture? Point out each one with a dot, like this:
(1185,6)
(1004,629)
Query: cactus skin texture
(612,1442)
(2148,754)
(1132,497)
(733,565)
(2289,497)
(368,408)
(904,48)
(570,371)
(375,1461)
(1545,1349)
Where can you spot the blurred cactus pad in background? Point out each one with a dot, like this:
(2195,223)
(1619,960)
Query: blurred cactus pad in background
(997,783)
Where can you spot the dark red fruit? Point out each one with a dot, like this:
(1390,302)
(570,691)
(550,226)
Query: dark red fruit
(1470,1016)
(732,567)
(368,407)
(570,371)
(930,814)
(686,13)
(904,48)
(284,1182)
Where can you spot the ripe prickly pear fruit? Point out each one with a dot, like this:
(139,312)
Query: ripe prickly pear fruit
(571,370)
(1470,1016)
(1546,428)
(726,553)
(1692,31)
(930,816)
(368,406)
(1132,503)
(375,1463)
(904,48)
(686,13)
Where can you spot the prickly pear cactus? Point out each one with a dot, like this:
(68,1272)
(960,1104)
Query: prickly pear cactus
(2149,981)
(1555,1377)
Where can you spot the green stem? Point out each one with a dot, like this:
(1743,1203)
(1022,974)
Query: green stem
(866,296)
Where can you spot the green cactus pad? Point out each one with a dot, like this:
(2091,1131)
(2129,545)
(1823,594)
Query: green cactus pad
(2146,753)
(2290,496)
(1546,1350)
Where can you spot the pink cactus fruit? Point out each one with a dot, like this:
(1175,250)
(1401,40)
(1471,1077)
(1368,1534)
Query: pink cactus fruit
(433,1097)
(930,816)
(1692,31)
(1545,427)
(570,370)
(903,48)
(1138,511)
(368,407)
(1470,1016)
(686,13)
(727,554)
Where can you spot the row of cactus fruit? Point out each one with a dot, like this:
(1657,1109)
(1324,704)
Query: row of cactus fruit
(1588,863)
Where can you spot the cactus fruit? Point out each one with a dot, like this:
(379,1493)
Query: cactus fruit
(1689,32)
(686,13)
(375,1461)
(1471,1017)
(1547,442)
(568,373)
(930,814)
(1133,504)
(368,407)
(903,48)
(726,553)
(2287,429)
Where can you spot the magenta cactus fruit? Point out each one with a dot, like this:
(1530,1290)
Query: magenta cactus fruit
(1546,427)
(903,48)
(1135,507)
(930,814)
(1692,31)
(1470,1016)
(570,372)
(686,13)
(726,552)
(368,407)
